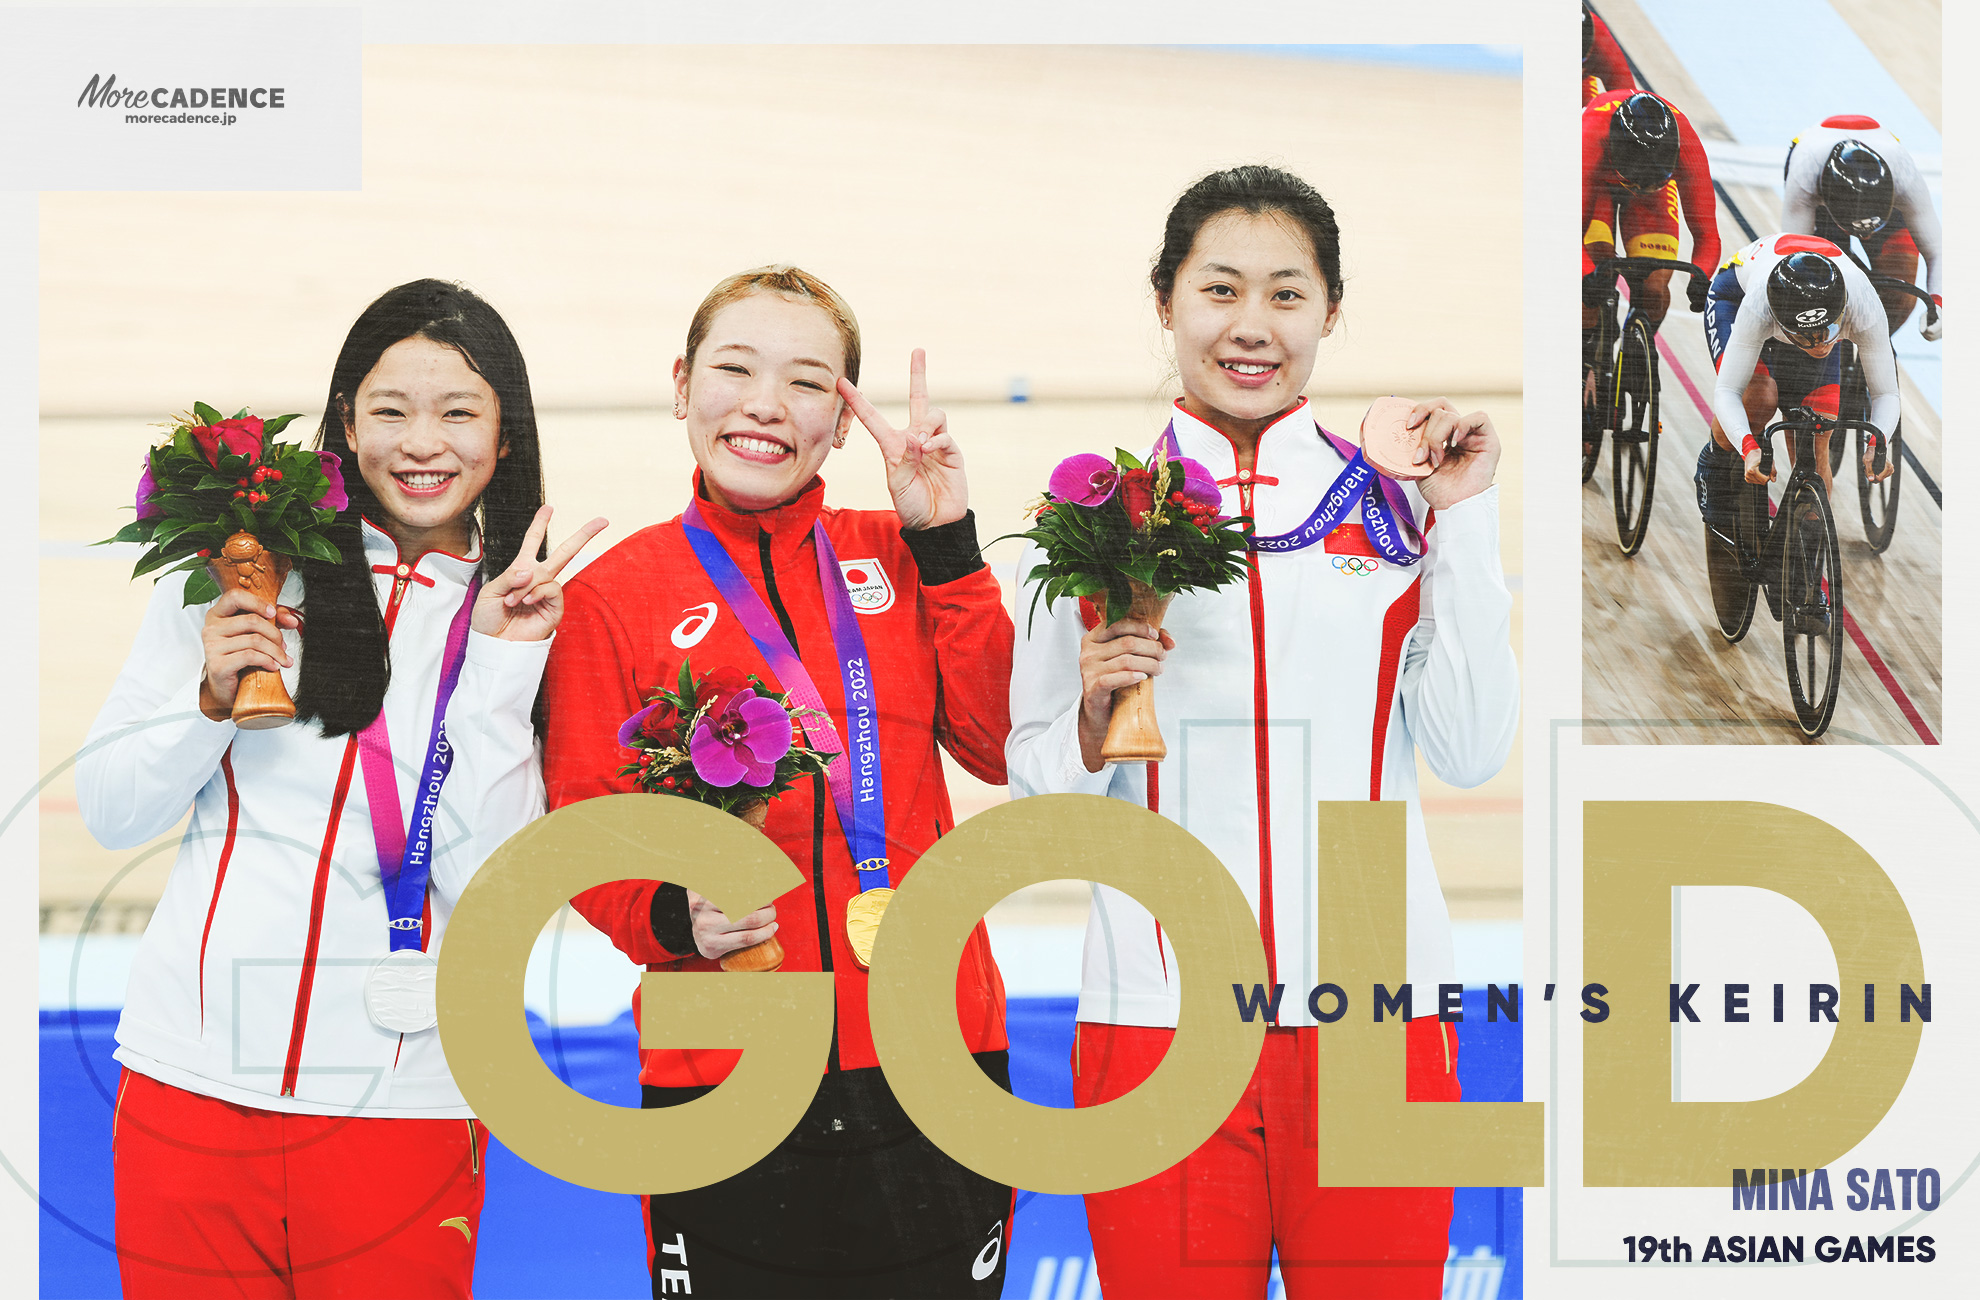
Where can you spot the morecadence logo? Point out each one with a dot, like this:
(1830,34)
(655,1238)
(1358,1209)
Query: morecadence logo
(104,92)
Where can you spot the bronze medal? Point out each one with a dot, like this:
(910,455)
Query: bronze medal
(1388,446)
(863,915)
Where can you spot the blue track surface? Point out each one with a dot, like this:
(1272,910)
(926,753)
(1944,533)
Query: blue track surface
(542,1237)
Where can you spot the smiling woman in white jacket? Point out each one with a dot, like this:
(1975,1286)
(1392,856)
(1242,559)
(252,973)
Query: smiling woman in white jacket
(1319,677)
(278,1133)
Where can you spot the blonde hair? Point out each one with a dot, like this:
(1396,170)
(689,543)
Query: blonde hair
(785,279)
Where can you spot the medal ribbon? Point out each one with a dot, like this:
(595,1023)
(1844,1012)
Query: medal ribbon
(855,786)
(405,852)
(1384,509)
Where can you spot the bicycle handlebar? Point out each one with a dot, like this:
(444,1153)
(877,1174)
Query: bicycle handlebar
(1802,419)
(1625,265)
(1906,286)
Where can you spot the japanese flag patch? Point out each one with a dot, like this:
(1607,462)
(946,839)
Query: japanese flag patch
(867,584)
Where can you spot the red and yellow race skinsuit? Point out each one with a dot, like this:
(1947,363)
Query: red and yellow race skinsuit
(1649,220)
(1605,68)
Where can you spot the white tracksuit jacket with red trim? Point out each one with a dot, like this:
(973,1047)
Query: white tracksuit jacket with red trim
(213,1005)
(1318,678)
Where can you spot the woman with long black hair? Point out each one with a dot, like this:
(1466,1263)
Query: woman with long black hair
(285,1123)
(1358,640)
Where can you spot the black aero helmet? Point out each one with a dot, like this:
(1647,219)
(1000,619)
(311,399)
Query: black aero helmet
(1643,141)
(1808,296)
(1587,31)
(1856,188)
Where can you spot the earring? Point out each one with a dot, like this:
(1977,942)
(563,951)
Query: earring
(838,440)
(680,411)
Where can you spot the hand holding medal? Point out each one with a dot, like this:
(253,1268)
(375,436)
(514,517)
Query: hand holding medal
(1448,455)
(726,740)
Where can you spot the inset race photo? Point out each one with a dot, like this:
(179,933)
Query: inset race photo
(1761,380)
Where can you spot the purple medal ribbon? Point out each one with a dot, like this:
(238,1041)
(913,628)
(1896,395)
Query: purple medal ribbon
(856,790)
(1384,509)
(404,864)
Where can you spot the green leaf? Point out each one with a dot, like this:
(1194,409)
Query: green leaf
(171,528)
(155,558)
(206,413)
(138,530)
(1127,459)
(243,514)
(201,588)
(685,686)
(314,547)
(270,428)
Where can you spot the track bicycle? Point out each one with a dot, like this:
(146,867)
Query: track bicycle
(1625,406)
(1877,501)
(1792,554)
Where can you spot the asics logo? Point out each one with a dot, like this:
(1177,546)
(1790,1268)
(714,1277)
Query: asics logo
(986,1259)
(689,631)
(1357,565)
(458,1221)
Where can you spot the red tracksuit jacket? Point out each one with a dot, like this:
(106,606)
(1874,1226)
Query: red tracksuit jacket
(940,644)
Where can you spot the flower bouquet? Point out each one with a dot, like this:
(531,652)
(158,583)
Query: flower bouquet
(728,741)
(1139,533)
(220,499)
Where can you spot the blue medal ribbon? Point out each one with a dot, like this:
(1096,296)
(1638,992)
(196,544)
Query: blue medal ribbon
(857,793)
(405,852)
(1384,509)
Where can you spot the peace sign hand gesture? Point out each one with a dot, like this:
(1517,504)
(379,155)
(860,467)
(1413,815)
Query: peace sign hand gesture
(924,465)
(526,602)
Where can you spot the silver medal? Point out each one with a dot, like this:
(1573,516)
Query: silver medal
(399,992)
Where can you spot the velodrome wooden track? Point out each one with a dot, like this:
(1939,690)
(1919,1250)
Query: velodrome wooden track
(1655,669)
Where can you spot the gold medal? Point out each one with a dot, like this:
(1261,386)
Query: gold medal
(863,915)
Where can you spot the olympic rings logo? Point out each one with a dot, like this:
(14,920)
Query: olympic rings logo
(1356,564)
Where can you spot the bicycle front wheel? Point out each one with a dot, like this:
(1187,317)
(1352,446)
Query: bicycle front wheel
(1879,501)
(1633,419)
(1811,605)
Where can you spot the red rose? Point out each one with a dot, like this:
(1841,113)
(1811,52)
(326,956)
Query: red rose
(660,724)
(239,437)
(715,689)
(1137,494)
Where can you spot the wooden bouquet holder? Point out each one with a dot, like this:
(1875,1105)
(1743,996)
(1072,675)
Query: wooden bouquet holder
(769,954)
(261,701)
(1132,736)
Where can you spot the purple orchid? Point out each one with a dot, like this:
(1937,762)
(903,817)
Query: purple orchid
(741,744)
(630,727)
(334,497)
(1084,480)
(1198,483)
(147,489)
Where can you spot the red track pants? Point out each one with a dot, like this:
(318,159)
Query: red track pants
(219,1200)
(1206,1227)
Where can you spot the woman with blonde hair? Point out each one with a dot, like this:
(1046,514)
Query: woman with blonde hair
(758,575)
